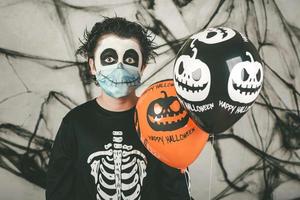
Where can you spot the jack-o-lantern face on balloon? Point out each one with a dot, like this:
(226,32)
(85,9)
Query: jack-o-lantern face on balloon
(214,35)
(231,77)
(166,114)
(192,77)
(245,80)
(165,127)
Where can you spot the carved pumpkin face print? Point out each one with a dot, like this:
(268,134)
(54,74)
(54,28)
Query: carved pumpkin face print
(166,113)
(245,80)
(165,127)
(192,78)
(214,35)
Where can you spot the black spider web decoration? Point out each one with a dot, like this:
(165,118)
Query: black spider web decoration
(28,157)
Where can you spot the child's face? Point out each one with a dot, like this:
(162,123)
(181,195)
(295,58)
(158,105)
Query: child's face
(112,49)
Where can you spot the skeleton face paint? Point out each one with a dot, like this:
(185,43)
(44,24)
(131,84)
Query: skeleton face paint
(192,77)
(245,80)
(118,62)
(214,35)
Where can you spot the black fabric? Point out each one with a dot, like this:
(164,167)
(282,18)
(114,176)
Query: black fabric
(91,137)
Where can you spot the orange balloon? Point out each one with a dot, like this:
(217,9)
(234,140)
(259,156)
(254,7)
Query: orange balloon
(165,127)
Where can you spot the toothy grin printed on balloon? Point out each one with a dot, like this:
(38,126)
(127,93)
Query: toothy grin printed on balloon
(189,88)
(245,80)
(247,89)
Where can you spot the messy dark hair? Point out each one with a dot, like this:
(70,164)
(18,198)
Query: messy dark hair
(122,28)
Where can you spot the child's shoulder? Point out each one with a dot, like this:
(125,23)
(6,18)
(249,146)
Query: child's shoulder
(80,111)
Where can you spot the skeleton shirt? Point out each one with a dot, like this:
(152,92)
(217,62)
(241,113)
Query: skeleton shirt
(97,155)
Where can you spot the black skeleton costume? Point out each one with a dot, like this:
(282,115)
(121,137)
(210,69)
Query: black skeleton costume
(97,153)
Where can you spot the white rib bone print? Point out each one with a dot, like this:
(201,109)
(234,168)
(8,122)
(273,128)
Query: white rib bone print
(118,171)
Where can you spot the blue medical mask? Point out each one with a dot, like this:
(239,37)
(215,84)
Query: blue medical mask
(118,80)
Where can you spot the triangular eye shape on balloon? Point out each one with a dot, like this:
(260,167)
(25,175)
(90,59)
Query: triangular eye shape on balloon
(245,80)
(215,35)
(192,77)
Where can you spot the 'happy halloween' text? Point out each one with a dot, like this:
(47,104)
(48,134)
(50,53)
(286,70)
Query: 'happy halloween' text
(172,138)
(194,108)
(160,85)
(233,109)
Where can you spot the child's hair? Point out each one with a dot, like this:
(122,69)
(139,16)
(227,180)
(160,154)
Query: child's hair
(122,28)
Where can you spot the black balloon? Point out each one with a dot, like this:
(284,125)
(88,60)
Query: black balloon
(218,74)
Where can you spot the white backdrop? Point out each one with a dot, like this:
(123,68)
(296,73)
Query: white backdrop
(41,80)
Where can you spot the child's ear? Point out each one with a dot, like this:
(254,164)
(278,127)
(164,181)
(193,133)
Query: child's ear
(92,66)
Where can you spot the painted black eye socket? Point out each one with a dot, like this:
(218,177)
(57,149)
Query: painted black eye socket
(180,69)
(131,57)
(108,57)
(244,75)
(258,75)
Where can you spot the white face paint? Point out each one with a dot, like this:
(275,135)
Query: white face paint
(245,80)
(192,78)
(117,50)
(118,63)
(214,35)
